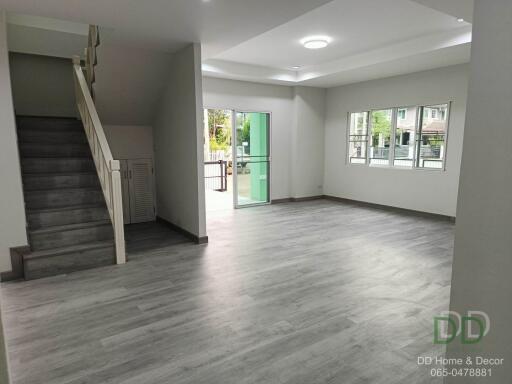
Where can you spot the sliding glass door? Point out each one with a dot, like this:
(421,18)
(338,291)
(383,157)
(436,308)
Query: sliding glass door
(251,149)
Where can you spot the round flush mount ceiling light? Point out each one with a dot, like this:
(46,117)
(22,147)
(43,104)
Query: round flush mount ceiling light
(460,19)
(316,42)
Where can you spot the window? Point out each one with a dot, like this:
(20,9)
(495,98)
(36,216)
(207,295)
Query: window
(405,134)
(431,147)
(405,137)
(380,143)
(358,142)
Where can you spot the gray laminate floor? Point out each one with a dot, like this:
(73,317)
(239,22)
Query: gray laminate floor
(316,292)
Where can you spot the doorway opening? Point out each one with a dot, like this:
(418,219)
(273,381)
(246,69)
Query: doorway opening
(237,159)
(218,159)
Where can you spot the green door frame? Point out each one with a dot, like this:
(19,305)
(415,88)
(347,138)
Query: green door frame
(267,159)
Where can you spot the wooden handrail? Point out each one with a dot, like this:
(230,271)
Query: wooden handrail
(89,103)
(107,167)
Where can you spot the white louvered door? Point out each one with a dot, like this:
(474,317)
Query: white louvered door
(141,190)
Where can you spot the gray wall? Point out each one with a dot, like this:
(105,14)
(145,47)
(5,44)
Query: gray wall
(42,85)
(39,41)
(297,131)
(4,368)
(278,100)
(178,135)
(129,84)
(130,141)
(483,242)
(307,164)
(423,190)
(12,219)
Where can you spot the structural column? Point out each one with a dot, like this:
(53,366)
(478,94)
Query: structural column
(482,269)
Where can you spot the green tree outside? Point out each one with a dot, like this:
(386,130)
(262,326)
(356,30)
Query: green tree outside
(219,127)
(381,124)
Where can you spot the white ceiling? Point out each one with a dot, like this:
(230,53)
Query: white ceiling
(355,26)
(260,40)
(170,24)
(455,8)
(370,39)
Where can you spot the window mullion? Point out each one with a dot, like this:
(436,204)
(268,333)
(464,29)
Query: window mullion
(394,118)
(369,137)
(417,140)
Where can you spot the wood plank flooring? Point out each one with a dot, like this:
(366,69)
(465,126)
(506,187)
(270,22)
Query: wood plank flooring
(298,293)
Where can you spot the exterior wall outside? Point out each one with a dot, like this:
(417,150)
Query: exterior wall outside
(432,191)
(258,146)
(12,221)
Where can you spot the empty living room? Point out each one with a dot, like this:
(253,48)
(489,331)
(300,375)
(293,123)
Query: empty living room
(255,192)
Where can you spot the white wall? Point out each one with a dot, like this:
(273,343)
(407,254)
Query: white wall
(278,100)
(42,85)
(307,163)
(297,130)
(422,190)
(39,41)
(4,365)
(130,141)
(12,219)
(483,242)
(129,83)
(178,135)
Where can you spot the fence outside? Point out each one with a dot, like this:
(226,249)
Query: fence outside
(216,175)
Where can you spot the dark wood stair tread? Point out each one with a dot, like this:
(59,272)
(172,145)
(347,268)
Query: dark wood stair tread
(67,208)
(30,255)
(70,227)
(72,189)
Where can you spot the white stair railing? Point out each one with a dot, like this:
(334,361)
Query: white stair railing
(108,169)
(90,57)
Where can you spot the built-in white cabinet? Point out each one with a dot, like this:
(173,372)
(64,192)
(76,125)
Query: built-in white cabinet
(137,177)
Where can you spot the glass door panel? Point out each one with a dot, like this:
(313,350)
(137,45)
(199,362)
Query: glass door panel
(252,149)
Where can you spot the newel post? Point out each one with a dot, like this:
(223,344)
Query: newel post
(117,206)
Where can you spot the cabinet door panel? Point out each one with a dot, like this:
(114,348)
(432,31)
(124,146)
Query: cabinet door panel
(142,198)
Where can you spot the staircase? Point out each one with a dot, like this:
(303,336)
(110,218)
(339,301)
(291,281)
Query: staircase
(69,226)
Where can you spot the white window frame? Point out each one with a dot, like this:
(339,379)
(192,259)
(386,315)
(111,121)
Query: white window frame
(393,129)
(368,137)
(419,122)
